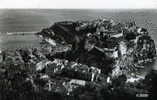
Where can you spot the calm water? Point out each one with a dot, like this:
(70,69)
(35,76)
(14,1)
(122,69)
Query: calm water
(35,20)
(18,41)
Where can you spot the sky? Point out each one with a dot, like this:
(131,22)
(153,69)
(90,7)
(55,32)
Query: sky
(80,4)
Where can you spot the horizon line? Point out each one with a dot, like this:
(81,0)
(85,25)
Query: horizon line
(79,8)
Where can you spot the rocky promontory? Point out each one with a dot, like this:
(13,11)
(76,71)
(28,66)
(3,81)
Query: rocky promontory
(78,60)
(101,43)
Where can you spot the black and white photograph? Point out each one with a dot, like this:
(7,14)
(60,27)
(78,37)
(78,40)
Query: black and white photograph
(78,49)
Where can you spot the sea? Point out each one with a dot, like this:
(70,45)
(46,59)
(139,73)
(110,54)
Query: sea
(29,21)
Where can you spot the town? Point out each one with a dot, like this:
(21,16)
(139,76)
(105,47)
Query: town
(93,60)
